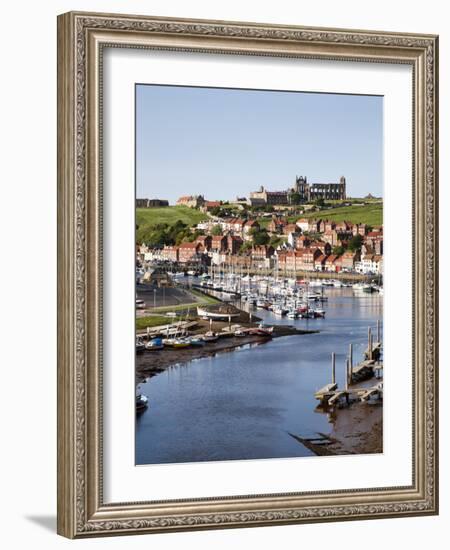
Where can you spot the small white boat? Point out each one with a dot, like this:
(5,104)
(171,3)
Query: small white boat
(196,341)
(154,345)
(140,346)
(368,289)
(262,330)
(358,286)
(307,314)
(141,402)
(292,315)
(278,311)
(210,336)
(319,313)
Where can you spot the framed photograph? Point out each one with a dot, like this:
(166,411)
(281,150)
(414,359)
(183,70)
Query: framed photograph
(247,235)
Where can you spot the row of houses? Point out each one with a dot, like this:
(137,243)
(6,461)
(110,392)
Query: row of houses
(302,233)
(223,251)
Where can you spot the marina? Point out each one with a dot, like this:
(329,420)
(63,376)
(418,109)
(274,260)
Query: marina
(251,391)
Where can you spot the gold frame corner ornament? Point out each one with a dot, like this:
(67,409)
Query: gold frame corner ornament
(81,37)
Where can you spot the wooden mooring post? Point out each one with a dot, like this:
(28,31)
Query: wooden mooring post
(333,368)
(373,350)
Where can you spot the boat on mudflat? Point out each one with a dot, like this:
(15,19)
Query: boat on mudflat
(218,311)
(210,336)
(154,344)
(262,330)
(141,402)
(140,346)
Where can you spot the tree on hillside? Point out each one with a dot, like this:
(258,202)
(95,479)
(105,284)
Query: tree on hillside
(276,241)
(216,230)
(355,243)
(215,211)
(158,238)
(338,250)
(319,202)
(260,237)
(295,198)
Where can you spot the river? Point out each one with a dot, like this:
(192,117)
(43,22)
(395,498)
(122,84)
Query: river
(243,404)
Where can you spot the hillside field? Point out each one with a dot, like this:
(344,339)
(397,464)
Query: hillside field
(371,214)
(147,217)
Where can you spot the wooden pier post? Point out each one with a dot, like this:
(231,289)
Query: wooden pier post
(378,331)
(369,343)
(333,368)
(348,374)
(350,355)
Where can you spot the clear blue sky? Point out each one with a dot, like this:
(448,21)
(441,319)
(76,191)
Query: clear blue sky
(224,143)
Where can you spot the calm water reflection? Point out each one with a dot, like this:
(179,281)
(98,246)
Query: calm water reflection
(242,404)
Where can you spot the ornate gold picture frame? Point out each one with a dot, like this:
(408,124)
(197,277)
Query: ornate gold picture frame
(82,38)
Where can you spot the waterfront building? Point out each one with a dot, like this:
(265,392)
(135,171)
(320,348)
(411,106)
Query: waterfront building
(190,252)
(333,263)
(371,264)
(319,262)
(170,253)
(349,260)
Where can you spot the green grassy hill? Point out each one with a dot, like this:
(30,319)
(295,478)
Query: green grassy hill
(371,213)
(148,217)
(168,214)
